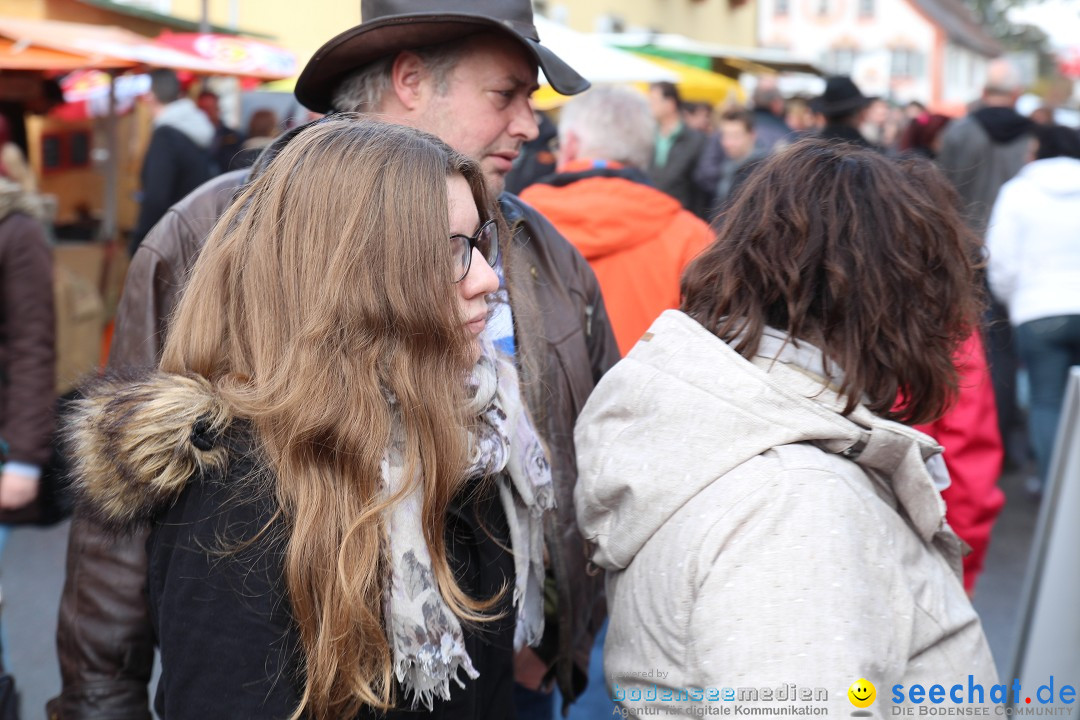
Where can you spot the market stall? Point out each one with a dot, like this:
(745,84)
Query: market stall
(86,154)
(73,153)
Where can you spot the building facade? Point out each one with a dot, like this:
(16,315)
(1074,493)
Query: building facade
(931,51)
(724,22)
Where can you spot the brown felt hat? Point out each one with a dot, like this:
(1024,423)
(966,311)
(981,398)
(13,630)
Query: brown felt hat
(390,26)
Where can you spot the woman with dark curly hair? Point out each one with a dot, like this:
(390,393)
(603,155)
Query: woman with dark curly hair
(766,516)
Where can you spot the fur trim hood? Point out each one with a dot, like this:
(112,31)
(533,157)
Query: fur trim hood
(134,443)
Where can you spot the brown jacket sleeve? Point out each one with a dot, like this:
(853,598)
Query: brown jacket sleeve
(565,344)
(104,638)
(599,336)
(28,356)
(151,291)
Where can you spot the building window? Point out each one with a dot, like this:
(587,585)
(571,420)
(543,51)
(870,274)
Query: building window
(952,74)
(866,8)
(906,64)
(65,151)
(782,8)
(839,61)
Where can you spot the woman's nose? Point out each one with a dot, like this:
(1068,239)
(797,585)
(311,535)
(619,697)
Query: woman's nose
(481,278)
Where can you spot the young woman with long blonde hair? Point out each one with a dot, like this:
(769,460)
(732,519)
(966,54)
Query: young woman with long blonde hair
(344,488)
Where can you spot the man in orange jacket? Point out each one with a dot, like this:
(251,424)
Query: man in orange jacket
(636,238)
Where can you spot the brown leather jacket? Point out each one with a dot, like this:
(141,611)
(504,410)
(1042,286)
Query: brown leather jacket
(27,338)
(565,344)
(27,327)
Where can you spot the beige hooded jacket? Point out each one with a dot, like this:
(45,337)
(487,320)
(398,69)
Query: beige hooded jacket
(755,538)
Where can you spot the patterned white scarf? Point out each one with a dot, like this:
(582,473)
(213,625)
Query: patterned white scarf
(425,636)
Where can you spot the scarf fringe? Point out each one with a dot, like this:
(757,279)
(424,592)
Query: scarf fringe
(428,675)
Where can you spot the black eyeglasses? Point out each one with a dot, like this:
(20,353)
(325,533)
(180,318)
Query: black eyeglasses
(486,240)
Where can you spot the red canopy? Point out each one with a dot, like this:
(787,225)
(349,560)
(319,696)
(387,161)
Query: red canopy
(1069,62)
(101,46)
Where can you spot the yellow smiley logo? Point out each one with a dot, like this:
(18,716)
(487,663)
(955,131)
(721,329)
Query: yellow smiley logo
(862,693)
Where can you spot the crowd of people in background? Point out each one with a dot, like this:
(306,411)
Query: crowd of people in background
(190,143)
(702,154)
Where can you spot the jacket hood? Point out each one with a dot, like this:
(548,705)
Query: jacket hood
(1055,176)
(184,115)
(135,442)
(1002,124)
(683,409)
(602,214)
(15,199)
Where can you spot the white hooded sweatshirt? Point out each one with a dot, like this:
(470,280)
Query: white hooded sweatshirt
(744,549)
(1034,241)
(185,116)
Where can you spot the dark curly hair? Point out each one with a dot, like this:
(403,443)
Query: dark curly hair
(868,259)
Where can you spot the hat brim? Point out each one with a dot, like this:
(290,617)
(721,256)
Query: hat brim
(841,107)
(369,42)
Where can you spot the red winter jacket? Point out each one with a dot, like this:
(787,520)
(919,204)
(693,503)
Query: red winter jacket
(973,454)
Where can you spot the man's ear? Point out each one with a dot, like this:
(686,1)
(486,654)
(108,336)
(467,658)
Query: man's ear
(408,80)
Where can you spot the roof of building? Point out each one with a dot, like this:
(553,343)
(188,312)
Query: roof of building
(959,23)
(166,20)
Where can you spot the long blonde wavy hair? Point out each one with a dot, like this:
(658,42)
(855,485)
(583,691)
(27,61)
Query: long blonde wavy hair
(325,287)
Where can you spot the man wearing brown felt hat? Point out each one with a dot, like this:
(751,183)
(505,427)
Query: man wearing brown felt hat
(462,70)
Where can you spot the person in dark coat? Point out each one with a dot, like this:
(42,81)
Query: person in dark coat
(844,107)
(678,150)
(771,127)
(27,347)
(742,155)
(27,354)
(177,160)
(979,154)
(262,129)
(228,142)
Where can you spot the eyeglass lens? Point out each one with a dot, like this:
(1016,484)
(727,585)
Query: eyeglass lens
(486,241)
